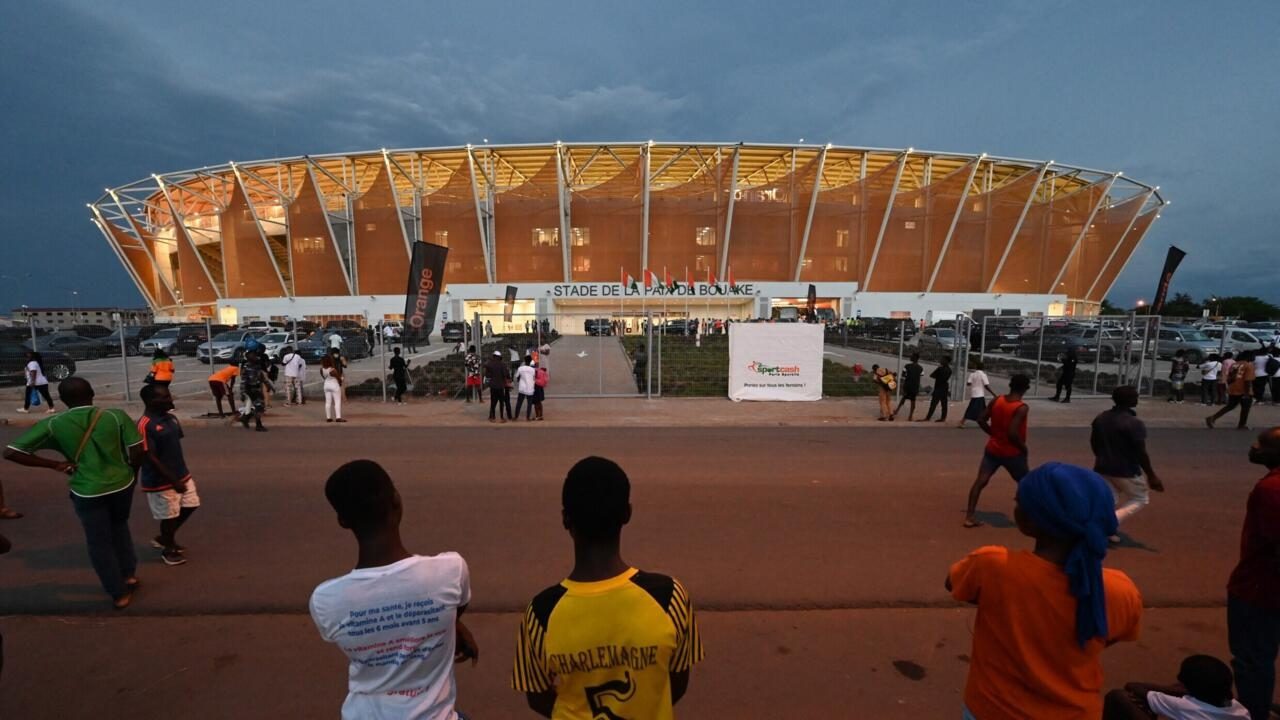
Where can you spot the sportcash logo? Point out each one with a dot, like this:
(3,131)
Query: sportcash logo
(760,368)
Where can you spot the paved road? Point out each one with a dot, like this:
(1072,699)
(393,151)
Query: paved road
(816,556)
(585,365)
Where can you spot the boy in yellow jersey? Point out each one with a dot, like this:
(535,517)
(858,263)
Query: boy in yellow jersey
(609,642)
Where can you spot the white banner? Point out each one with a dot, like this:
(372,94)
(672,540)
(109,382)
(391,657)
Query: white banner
(775,361)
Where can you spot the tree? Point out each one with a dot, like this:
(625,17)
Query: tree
(1182,306)
(1245,307)
(1106,308)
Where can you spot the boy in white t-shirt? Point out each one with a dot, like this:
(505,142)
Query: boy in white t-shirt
(978,385)
(1203,693)
(397,615)
(36,383)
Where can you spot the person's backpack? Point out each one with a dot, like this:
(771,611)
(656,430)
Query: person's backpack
(1273,365)
(540,377)
(273,371)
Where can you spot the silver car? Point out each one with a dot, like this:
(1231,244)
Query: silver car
(227,347)
(275,342)
(1193,342)
(1238,339)
(163,340)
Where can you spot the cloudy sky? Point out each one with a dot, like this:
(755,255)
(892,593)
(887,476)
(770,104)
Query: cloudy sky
(1178,94)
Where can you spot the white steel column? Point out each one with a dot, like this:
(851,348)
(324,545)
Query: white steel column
(728,220)
(644,224)
(1135,251)
(1116,249)
(955,220)
(328,225)
(1053,287)
(562,192)
(253,213)
(813,203)
(884,222)
(486,241)
(182,233)
(1014,235)
(395,199)
(137,230)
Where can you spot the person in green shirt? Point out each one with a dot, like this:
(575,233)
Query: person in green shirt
(102,449)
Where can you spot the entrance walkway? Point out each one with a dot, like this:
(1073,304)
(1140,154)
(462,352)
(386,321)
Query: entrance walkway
(582,365)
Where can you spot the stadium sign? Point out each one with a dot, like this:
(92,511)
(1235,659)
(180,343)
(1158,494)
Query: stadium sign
(618,290)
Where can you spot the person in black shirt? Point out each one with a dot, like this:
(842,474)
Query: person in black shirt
(911,373)
(941,389)
(1066,376)
(1119,443)
(252,377)
(498,375)
(400,374)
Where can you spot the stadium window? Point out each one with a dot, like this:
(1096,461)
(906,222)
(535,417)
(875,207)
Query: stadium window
(580,237)
(842,264)
(808,263)
(455,265)
(919,202)
(978,206)
(308,245)
(909,224)
(842,238)
(546,237)
(442,238)
(706,236)
(701,262)
(581,263)
(370,227)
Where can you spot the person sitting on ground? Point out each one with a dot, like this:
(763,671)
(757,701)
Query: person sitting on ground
(397,616)
(637,628)
(221,383)
(1203,692)
(1045,616)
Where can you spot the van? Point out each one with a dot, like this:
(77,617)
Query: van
(1238,339)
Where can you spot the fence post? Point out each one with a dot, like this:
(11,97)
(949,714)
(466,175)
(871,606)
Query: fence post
(1039,355)
(902,337)
(32,323)
(382,352)
(1097,358)
(124,354)
(648,366)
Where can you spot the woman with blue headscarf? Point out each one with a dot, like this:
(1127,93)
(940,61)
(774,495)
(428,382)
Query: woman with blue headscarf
(1044,616)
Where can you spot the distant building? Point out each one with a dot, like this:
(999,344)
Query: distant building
(66,318)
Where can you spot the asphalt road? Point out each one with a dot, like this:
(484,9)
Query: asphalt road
(816,556)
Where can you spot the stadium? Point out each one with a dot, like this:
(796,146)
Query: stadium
(619,229)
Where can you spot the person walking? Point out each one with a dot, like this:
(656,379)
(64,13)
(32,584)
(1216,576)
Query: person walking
(475,383)
(1253,592)
(102,449)
(1005,421)
(1066,376)
(488,328)
(524,381)
(610,640)
(1260,376)
(640,369)
(1221,393)
(911,373)
(397,616)
(1045,615)
(979,385)
(399,374)
(941,395)
(221,383)
(294,367)
(1179,368)
(161,372)
(253,380)
(498,376)
(171,493)
(331,366)
(1119,443)
(37,384)
(1273,372)
(1209,370)
(1239,382)
(388,335)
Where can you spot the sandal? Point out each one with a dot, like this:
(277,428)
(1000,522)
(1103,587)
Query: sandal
(123,601)
(973,523)
(9,514)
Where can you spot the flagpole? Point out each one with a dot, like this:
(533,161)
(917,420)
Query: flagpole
(686,292)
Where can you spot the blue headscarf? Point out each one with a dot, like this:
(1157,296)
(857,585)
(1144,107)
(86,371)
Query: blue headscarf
(1074,504)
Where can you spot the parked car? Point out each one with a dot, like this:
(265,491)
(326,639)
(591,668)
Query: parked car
(226,347)
(96,332)
(1268,330)
(1001,336)
(1238,339)
(677,327)
(275,342)
(939,338)
(266,326)
(133,337)
(189,340)
(58,366)
(1193,342)
(74,346)
(603,326)
(1088,344)
(354,344)
(454,332)
(166,338)
(887,328)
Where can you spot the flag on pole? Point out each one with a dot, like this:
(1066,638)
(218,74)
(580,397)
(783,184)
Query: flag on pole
(628,282)
(667,279)
(732,285)
(688,279)
(711,276)
(648,279)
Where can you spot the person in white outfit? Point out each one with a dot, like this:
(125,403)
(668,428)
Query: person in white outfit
(294,368)
(37,383)
(525,376)
(335,341)
(331,371)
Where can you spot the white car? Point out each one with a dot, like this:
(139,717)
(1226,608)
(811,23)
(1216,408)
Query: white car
(1239,339)
(275,342)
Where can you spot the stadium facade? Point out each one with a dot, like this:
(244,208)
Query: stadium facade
(742,229)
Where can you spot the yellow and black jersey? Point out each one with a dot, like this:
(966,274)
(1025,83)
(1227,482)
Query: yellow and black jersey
(608,648)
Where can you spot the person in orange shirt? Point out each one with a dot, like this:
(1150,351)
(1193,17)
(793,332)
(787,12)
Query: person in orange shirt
(1005,420)
(1239,383)
(1045,616)
(221,383)
(161,369)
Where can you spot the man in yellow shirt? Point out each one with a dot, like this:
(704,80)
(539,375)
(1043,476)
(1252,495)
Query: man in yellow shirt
(610,641)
